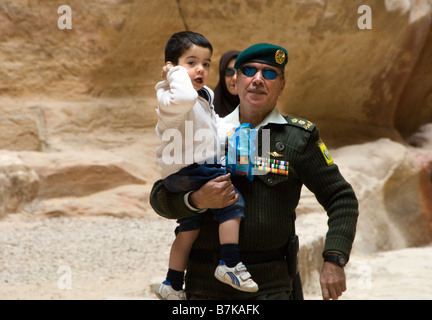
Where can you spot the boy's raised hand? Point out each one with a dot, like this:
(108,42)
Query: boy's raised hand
(165,69)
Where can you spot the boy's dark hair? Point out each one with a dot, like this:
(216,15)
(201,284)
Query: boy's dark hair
(180,42)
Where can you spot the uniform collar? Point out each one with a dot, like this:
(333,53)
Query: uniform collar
(273,117)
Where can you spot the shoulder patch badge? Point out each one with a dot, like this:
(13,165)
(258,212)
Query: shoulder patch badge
(325,152)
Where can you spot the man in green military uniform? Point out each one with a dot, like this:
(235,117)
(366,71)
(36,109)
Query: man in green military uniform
(271,198)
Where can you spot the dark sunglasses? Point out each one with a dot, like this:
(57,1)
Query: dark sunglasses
(268,74)
(229,72)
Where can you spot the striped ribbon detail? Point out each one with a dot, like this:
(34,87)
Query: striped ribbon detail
(271,165)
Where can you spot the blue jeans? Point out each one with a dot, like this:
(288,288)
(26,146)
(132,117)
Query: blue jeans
(191,178)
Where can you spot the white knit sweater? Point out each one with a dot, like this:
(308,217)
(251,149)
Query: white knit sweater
(190,130)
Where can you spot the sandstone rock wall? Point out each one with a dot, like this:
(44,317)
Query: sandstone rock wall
(365,84)
(393,185)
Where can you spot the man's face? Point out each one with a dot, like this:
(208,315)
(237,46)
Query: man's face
(257,93)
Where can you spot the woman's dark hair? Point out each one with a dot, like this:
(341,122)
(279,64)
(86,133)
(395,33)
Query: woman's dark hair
(180,42)
(224,101)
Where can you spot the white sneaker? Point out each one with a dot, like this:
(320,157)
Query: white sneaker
(166,292)
(238,277)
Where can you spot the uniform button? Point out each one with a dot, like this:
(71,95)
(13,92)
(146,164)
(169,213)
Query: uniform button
(270,180)
(280,146)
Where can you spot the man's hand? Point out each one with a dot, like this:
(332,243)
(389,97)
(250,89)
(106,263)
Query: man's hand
(215,194)
(332,281)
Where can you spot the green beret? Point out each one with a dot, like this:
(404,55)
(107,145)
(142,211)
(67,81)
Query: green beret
(263,53)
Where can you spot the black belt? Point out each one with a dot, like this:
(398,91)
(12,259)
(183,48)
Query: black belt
(202,255)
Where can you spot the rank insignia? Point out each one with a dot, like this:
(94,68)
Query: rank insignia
(325,152)
(300,123)
(307,125)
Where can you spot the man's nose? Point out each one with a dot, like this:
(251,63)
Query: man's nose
(258,78)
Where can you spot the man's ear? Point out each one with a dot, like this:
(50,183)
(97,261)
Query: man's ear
(282,87)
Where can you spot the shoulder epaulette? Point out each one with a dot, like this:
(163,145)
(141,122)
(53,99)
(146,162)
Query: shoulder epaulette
(300,123)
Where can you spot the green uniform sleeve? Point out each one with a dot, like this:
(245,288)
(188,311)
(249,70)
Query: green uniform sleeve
(168,204)
(321,176)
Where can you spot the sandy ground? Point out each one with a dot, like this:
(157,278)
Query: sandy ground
(112,258)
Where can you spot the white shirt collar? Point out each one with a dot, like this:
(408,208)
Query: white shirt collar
(272,117)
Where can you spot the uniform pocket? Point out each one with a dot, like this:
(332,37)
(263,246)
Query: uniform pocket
(271,179)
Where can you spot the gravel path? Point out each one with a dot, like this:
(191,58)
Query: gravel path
(110,258)
(82,258)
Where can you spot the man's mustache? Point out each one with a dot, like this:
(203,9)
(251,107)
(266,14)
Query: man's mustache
(257,90)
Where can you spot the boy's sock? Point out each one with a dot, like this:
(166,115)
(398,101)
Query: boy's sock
(230,253)
(176,278)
